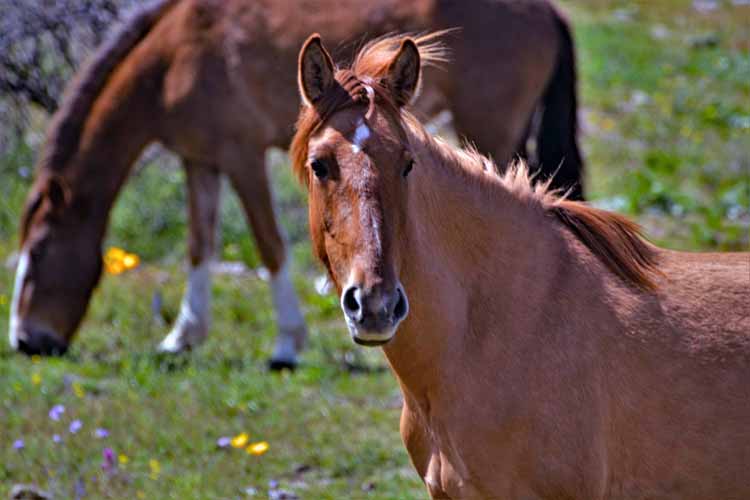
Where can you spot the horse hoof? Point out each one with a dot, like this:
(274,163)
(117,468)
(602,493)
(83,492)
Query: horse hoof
(278,365)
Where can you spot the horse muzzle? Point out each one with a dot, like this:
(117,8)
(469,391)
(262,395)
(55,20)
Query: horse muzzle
(33,341)
(374,315)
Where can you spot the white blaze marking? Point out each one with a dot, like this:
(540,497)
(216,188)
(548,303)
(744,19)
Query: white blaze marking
(289,318)
(192,322)
(361,134)
(15,323)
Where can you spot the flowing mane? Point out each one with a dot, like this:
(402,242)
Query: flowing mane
(80,96)
(616,240)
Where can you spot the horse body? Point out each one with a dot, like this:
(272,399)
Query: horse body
(548,352)
(212,81)
(531,373)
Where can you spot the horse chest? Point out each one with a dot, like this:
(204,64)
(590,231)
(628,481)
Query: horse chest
(444,481)
(437,459)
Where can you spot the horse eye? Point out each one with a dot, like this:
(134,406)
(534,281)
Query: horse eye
(320,169)
(408,168)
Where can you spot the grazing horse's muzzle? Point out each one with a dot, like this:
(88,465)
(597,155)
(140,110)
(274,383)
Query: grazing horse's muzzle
(373,316)
(42,342)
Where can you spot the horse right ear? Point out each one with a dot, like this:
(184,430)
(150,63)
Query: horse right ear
(315,70)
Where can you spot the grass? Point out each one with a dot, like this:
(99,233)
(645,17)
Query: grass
(665,92)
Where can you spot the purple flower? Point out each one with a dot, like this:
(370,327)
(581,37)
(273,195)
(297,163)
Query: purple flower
(18,444)
(75,426)
(108,462)
(223,442)
(101,433)
(56,438)
(56,412)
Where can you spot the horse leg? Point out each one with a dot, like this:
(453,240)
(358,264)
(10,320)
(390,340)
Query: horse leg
(191,327)
(253,188)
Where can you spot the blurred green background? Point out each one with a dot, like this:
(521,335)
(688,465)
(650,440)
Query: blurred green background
(665,113)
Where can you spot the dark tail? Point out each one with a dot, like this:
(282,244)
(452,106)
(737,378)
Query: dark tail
(557,144)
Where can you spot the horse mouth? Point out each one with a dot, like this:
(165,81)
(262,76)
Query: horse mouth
(370,338)
(370,343)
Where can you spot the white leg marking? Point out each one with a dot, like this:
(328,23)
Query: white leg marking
(289,318)
(192,324)
(361,134)
(15,322)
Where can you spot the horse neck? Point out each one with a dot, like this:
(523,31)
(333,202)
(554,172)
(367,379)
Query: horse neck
(119,125)
(471,261)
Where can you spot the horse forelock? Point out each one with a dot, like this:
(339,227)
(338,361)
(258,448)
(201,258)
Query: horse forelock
(78,100)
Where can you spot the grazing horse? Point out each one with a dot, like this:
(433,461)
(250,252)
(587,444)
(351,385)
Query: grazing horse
(213,82)
(544,349)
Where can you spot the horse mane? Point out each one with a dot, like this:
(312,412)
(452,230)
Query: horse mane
(369,67)
(613,238)
(67,124)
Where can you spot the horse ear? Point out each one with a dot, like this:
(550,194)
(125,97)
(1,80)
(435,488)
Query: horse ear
(57,192)
(404,73)
(315,70)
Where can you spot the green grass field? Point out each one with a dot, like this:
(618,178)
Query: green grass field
(665,95)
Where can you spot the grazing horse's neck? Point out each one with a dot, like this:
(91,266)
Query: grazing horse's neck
(118,126)
(470,266)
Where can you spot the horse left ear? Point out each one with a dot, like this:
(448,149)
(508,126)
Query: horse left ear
(404,73)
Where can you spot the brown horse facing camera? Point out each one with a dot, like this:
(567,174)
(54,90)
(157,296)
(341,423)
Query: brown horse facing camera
(214,82)
(544,350)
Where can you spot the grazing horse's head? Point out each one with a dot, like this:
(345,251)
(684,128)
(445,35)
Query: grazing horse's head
(59,265)
(353,154)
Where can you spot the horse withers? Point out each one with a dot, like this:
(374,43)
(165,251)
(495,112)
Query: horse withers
(544,349)
(214,83)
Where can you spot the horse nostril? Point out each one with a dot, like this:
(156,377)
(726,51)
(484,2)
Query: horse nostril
(402,306)
(350,303)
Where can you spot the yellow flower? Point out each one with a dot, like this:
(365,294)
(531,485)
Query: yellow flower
(36,379)
(115,267)
(78,389)
(155,467)
(131,261)
(36,358)
(3,299)
(115,253)
(258,448)
(140,494)
(117,261)
(240,440)
(123,459)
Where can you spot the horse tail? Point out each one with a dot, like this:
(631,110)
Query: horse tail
(557,144)
(68,122)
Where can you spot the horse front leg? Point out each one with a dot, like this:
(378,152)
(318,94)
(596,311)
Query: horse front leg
(254,190)
(191,327)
